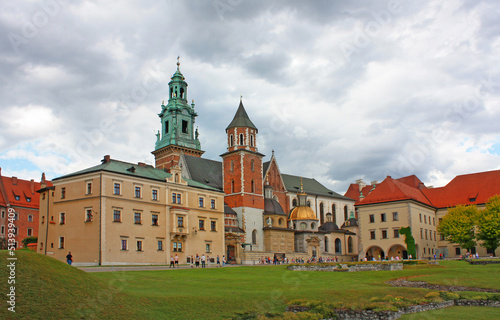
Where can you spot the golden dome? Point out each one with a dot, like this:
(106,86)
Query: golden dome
(303,213)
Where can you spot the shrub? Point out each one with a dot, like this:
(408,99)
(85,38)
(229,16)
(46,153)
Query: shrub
(449,295)
(432,295)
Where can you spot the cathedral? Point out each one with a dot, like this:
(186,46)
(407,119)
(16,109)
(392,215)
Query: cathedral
(267,213)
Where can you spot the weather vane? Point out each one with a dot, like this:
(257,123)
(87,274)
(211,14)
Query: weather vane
(178,62)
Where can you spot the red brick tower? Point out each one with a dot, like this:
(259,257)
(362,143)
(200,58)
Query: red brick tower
(242,164)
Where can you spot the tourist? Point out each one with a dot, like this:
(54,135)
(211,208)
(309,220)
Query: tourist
(197,261)
(192,261)
(434,256)
(176,259)
(218,261)
(172,262)
(69,258)
(223,261)
(203,260)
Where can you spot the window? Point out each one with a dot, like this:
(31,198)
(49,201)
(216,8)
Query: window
(395,216)
(212,203)
(117,216)
(254,236)
(166,127)
(180,221)
(303,226)
(124,244)
(201,200)
(232,186)
(213,224)
(154,195)
(201,224)
(420,217)
(3,214)
(63,193)
(396,233)
(435,236)
(252,165)
(30,232)
(231,141)
(430,235)
(28,199)
(139,245)
(252,187)
(372,235)
(176,198)
(184,126)
(457,251)
(338,246)
(89,187)
(137,192)
(16,216)
(61,242)
(421,233)
(207,247)
(372,218)
(241,139)
(154,219)
(177,246)
(16,231)
(424,250)
(3,230)
(433,221)
(425,234)
(251,141)
(384,234)
(30,218)
(137,217)
(349,244)
(382,217)
(345,213)
(425,219)
(17,197)
(62,218)
(88,215)
(160,245)
(441,237)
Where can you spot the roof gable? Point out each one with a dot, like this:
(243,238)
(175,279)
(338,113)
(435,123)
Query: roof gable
(394,190)
(19,192)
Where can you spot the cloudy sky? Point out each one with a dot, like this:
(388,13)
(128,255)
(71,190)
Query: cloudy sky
(339,90)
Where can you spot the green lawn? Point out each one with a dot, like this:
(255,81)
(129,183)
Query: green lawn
(454,313)
(49,289)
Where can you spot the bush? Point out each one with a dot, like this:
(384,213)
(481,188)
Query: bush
(432,295)
(449,295)
(29,240)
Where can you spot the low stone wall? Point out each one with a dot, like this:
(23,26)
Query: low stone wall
(479,262)
(345,267)
(254,257)
(347,314)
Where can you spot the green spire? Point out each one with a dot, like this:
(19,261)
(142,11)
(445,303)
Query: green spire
(241,119)
(177,117)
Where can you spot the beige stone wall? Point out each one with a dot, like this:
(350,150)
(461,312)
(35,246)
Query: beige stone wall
(83,238)
(278,240)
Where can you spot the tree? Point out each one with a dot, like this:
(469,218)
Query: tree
(458,226)
(29,240)
(488,224)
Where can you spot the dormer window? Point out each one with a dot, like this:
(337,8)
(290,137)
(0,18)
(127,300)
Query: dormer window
(28,199)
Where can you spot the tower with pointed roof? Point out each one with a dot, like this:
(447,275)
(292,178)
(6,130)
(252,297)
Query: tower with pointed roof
(178,134)
(242,174)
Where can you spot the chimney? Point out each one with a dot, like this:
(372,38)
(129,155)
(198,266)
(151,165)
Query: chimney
(360,183)
(43,180)
(32,186)
(0,171)
(106,159)
(14,180)
(421,185)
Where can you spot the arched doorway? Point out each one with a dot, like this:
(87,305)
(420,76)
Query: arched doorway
(397,250)
(338,246)
(231,253)
(374,252)
(349,244)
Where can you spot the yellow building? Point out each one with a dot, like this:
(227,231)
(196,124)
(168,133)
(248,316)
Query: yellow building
(123,213)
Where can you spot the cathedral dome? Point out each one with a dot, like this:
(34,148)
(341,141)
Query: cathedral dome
(272,206)
(303,213)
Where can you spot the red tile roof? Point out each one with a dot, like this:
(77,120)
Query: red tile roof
(24,190)
(463,188)
(353,191)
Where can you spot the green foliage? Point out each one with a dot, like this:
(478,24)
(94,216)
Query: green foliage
(449,295)
(410,241)
(29,240)
(458,226)
(488,223)
(3,243)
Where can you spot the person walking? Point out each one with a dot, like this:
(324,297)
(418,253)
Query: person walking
(69,258)
(223,261)
(218,261)
(197,261)
(203,260)
(176,259)
(172,262)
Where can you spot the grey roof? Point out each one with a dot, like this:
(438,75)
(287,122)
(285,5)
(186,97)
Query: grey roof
(272,206)
(241,119)
(329,226)
(208,172)
(311,187)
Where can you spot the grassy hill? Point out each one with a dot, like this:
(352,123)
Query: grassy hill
(49,289)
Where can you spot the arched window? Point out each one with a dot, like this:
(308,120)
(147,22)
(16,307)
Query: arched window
(349,244)
(345,213)
(232,165)
(338,246)
(251,140)
(308,203)
(176,178)
(232,186)
(182,93)
(326,244)
(253,186)
(280,221)
(313,225)
(303,226)
(254,236)
(241,139)
(321,213)
(294,202)
(252,165)
(231,140)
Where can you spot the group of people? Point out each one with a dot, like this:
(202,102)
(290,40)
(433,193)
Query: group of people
(174,261)
(205,260)
(285,260)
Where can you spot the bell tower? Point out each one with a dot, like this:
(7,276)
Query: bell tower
(177,126)
(242,163)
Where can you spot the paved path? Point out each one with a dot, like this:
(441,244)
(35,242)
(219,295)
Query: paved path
(141,268)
